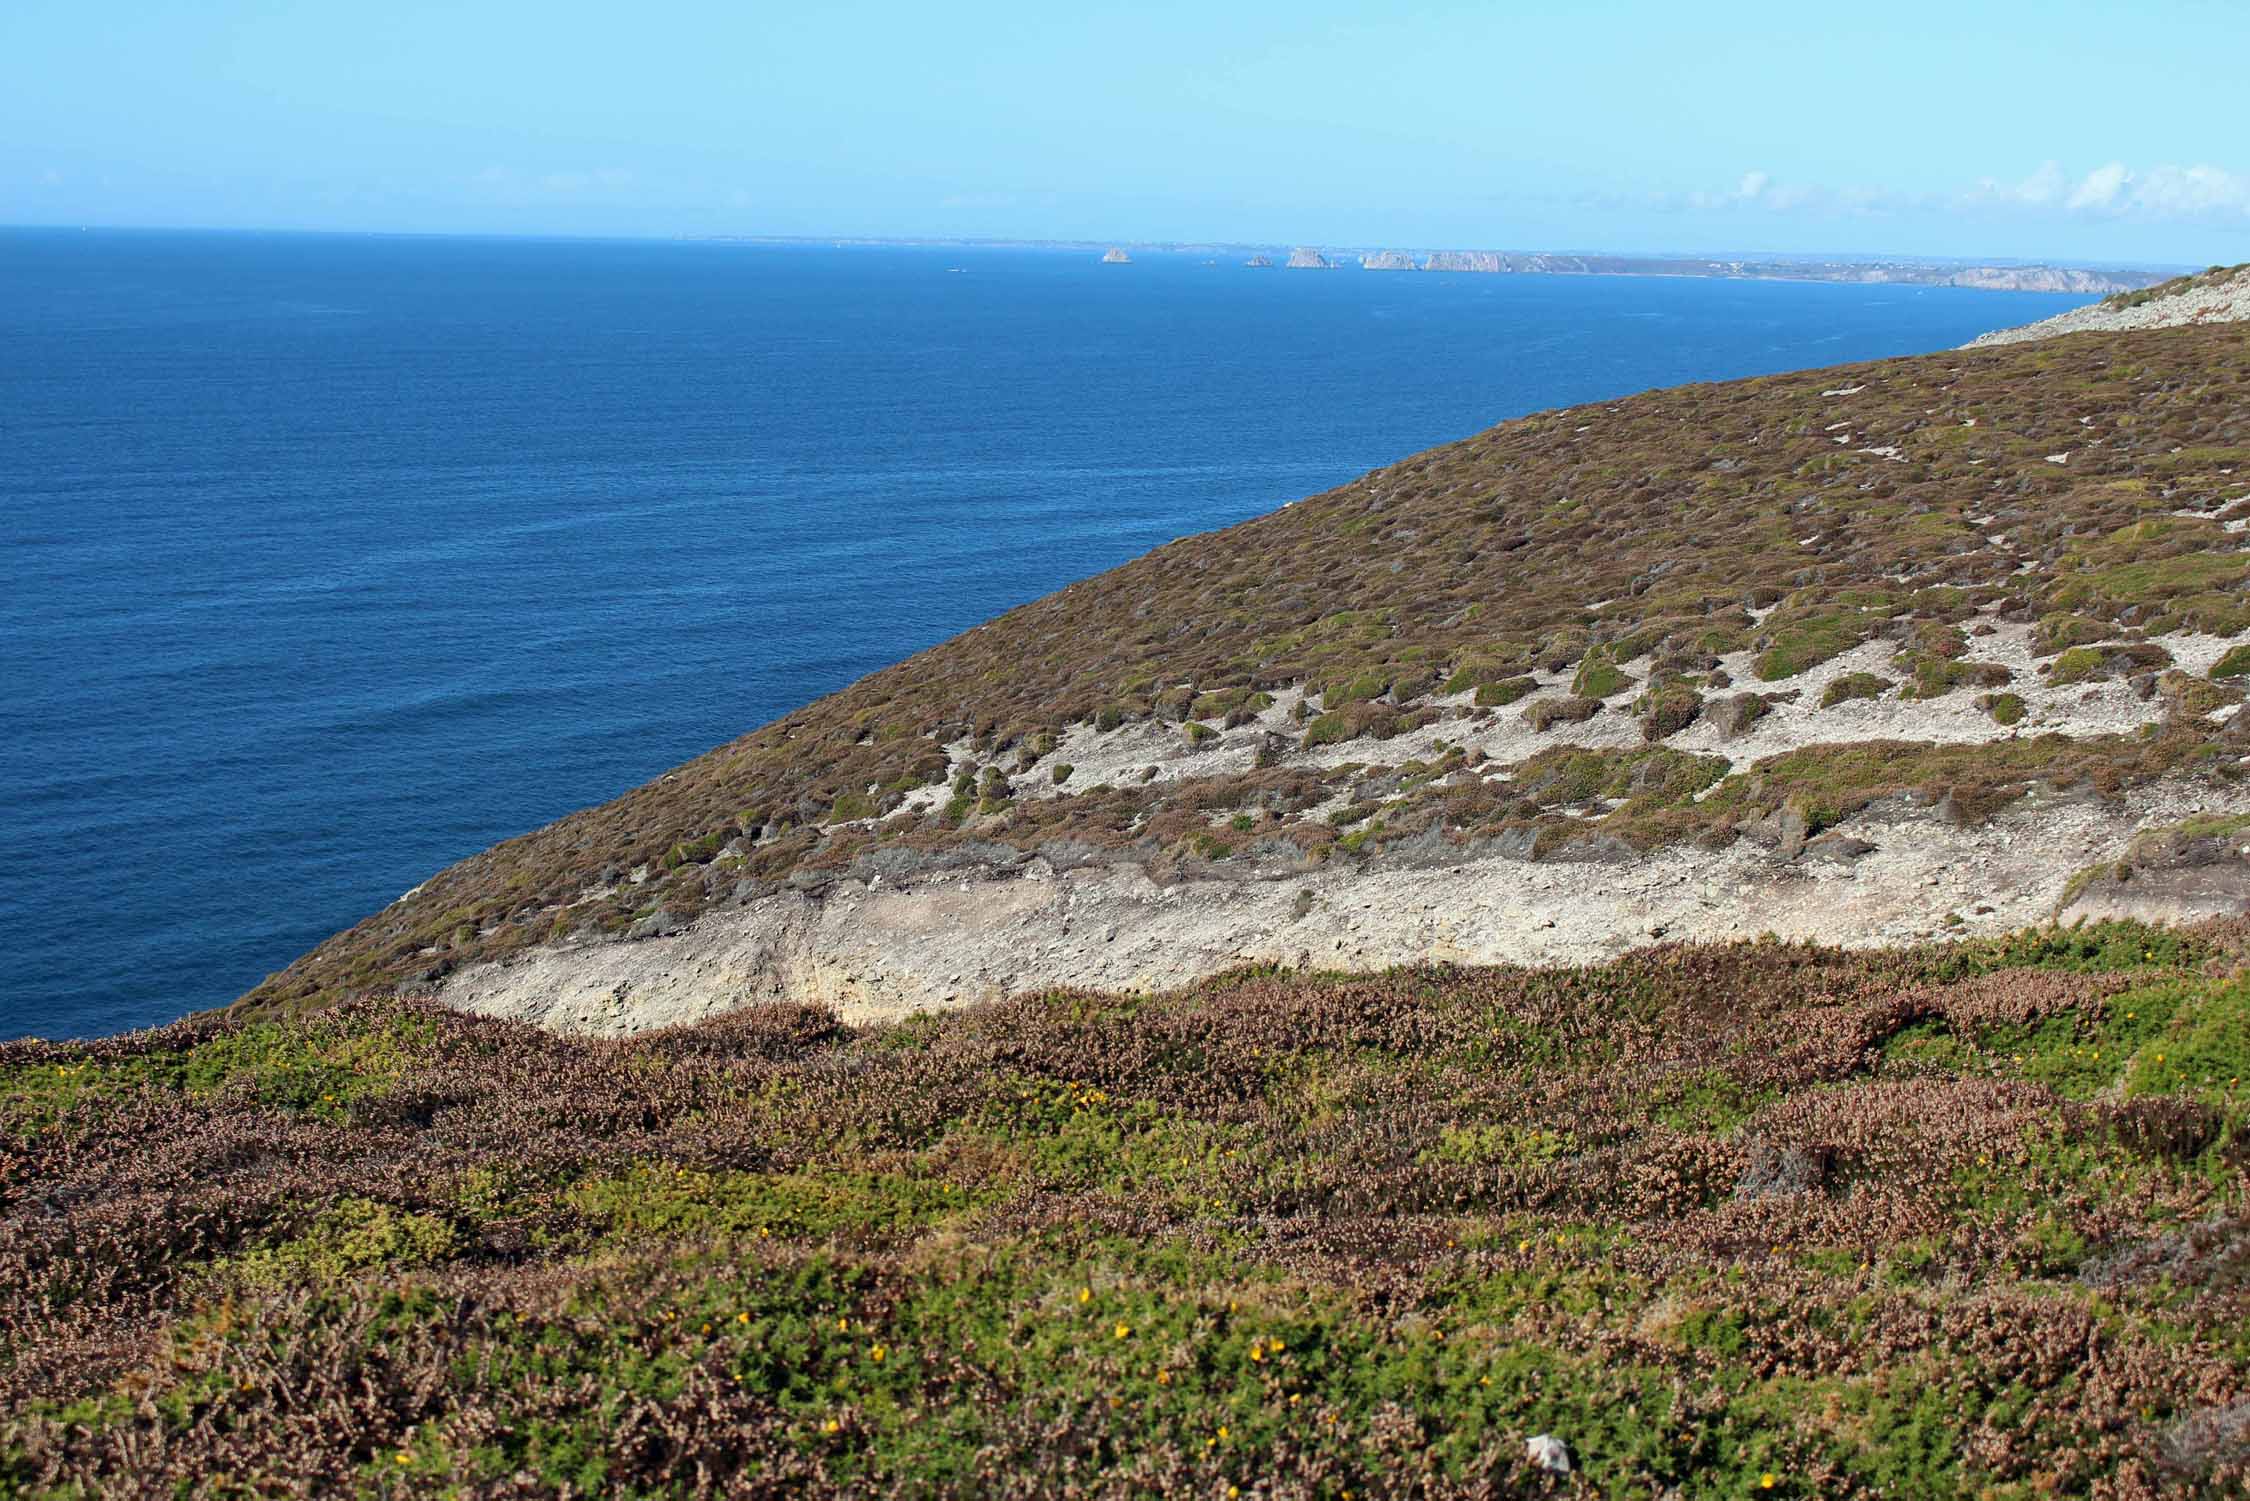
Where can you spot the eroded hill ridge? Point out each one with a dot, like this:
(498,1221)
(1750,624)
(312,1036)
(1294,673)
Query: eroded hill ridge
(1926,646)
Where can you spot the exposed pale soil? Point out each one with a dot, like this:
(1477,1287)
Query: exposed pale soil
(874,950)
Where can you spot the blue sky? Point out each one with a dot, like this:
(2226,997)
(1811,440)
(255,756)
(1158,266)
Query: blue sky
(2077,131)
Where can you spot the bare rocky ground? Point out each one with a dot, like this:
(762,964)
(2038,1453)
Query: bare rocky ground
(1895,873)
(2211,300)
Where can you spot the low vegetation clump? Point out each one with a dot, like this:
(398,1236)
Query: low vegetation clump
(2005,708)
(1753,1219)
(1853,685)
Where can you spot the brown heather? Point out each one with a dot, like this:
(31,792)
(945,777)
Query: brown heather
(1631,538)
(1953,1221)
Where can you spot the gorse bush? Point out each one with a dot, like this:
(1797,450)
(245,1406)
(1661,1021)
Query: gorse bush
(1754,1219)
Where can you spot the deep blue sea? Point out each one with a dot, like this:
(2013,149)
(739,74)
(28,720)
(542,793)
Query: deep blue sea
(327,560)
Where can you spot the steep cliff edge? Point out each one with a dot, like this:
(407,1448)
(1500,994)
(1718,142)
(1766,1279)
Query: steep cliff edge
(1863,654)
(2219,295)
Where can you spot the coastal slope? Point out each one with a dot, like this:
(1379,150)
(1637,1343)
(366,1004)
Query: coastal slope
(2219,295)
(1908,648)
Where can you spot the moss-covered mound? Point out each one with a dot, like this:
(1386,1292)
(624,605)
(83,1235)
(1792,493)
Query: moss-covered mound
(1762,1218)
(2084,486)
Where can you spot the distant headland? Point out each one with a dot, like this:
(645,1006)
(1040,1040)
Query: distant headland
(1995,275)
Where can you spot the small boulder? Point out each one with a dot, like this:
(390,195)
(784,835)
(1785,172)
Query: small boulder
(1841,848)
(662,923)
(1733,716)
(1783,831)
(1546,1452)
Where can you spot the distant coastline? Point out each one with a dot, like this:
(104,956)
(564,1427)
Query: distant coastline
(1995,275)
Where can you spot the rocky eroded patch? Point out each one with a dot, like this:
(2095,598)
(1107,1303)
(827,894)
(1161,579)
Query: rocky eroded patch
(2219,295)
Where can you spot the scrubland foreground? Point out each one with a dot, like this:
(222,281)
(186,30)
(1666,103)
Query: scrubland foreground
(1726,1220)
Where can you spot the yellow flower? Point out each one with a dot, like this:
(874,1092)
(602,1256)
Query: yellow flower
(1222,1430)
(1124,1330)
(1768,1481)
(1257,1352)
(1085,1295)
(742,1318)
(1522,1246)
(842,1325)
(830,1426)
(405,1458)
(879,1352)
(1163,1378)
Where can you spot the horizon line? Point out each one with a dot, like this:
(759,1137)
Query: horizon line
(1072,242)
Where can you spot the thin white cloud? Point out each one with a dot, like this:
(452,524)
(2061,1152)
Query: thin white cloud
(2099,189)
(1759,189)
(2189,191)
(2043,188)
(2110,191)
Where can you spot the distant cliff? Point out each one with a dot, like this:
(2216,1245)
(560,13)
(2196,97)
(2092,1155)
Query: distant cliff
(1309,260)
(1387,260)
(1906,273)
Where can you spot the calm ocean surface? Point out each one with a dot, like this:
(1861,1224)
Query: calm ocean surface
(325,561)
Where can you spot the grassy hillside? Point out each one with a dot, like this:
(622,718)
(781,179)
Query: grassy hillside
(1749,1220)
(1795,516)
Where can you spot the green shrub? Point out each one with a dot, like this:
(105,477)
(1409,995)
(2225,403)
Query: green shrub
(2005,708)
(1599,677)
(1807,641)
(1355,690)
(2062,629)
(1931,675)
(1855,685)
(851,806)
(1668,709)
(1549,712)
(2235,664)
(1505,692)
(1062,772)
